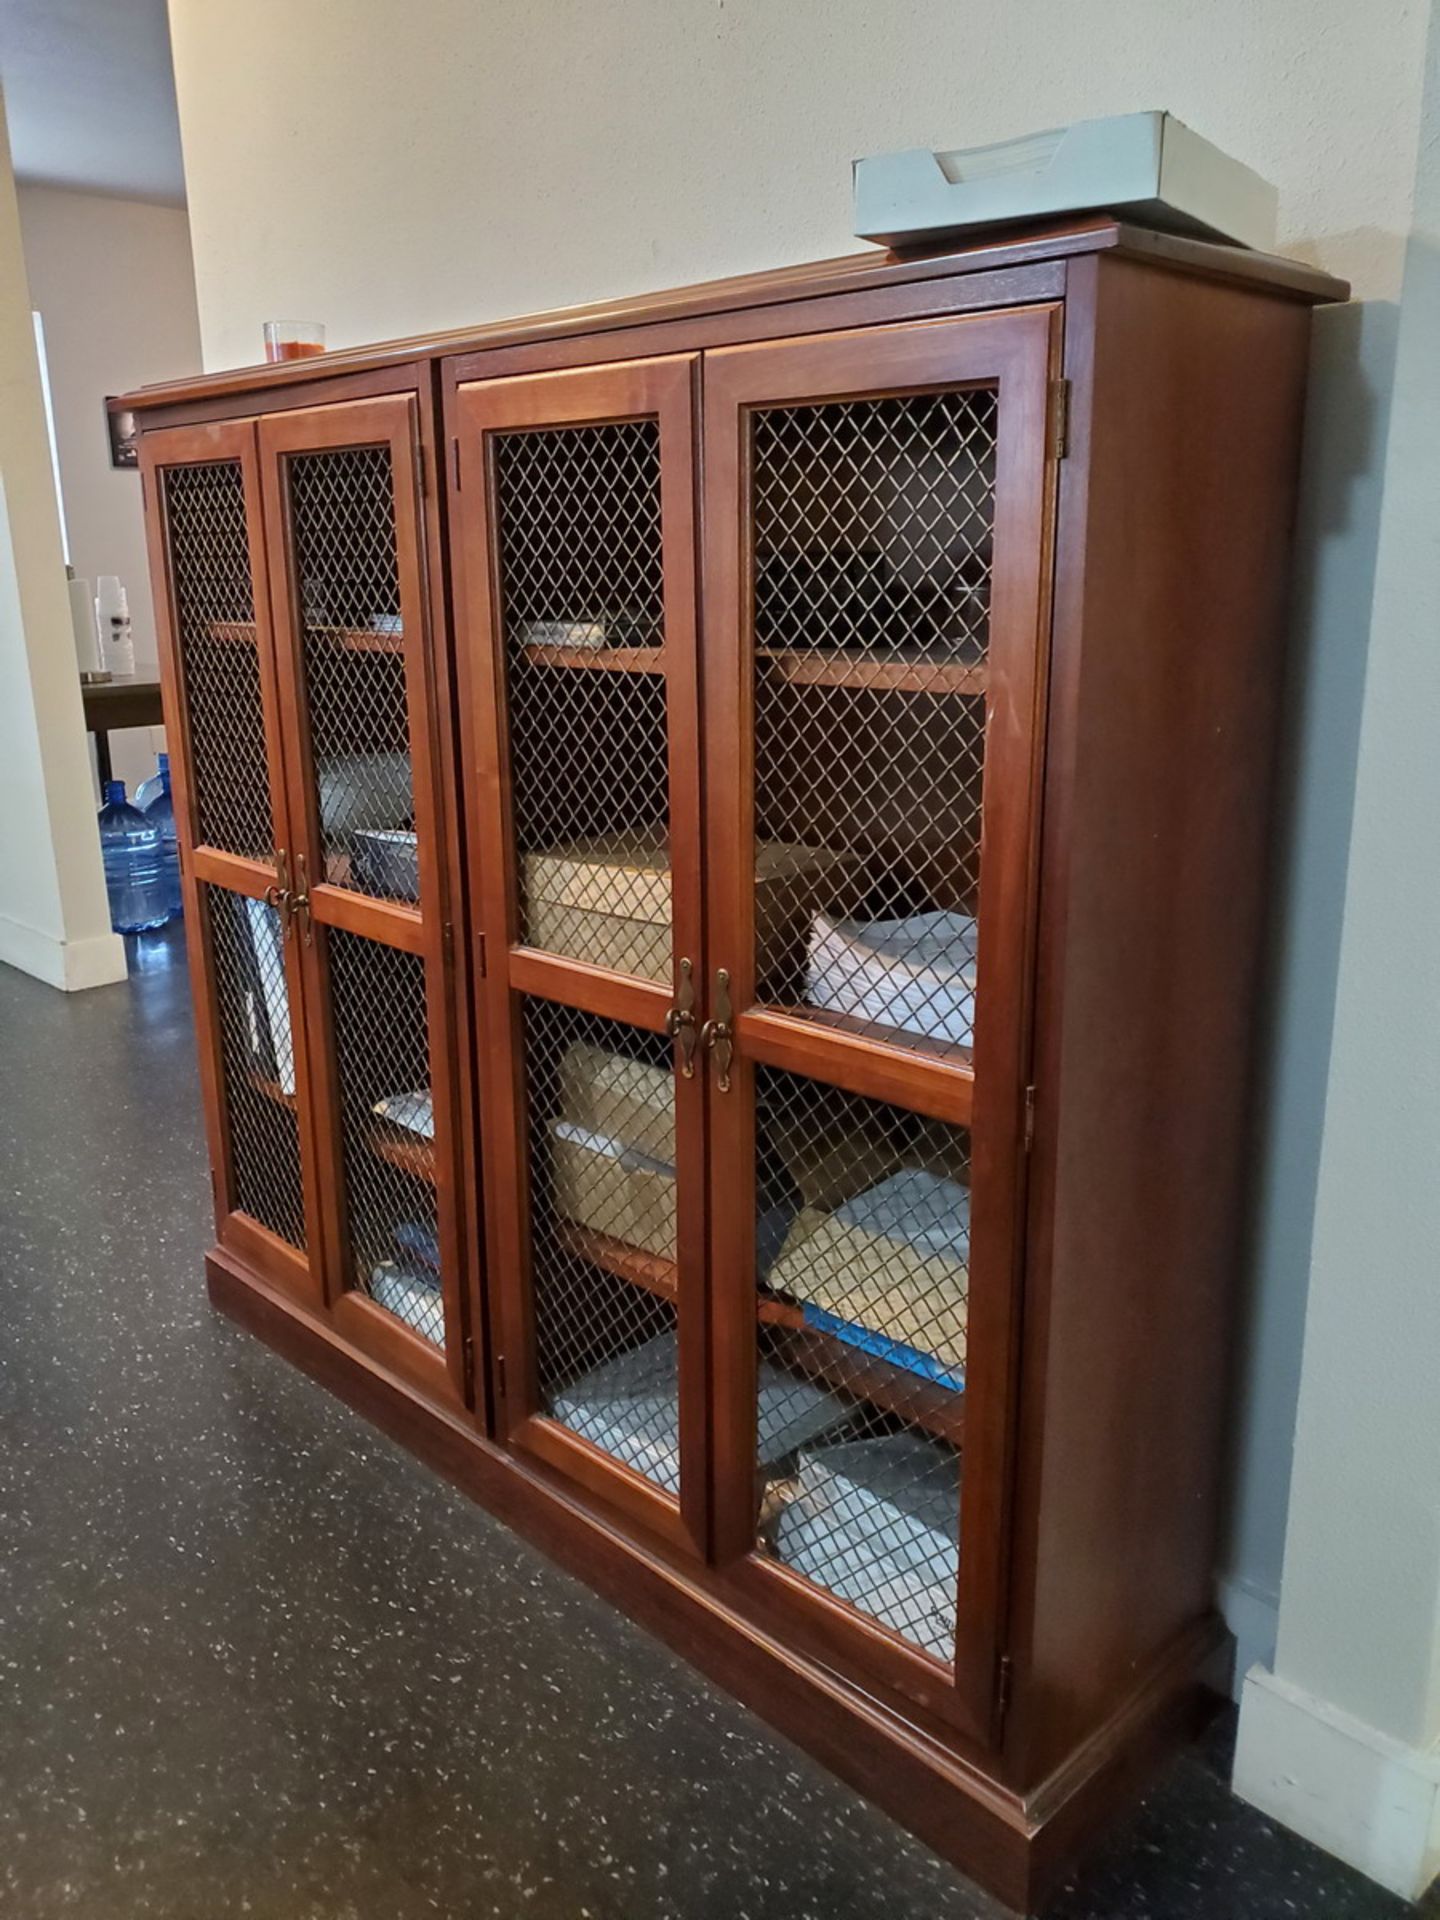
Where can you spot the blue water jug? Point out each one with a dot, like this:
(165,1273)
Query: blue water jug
(158,807)
(134,869)
(152,788)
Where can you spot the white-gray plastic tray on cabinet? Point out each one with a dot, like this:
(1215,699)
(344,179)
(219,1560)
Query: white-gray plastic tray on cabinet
(1149,167)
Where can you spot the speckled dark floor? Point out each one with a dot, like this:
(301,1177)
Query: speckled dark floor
(255,1661)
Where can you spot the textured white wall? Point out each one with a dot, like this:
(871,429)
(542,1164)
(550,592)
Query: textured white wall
(403,168)
(114,283)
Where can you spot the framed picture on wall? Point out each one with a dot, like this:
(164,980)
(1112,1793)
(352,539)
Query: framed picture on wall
(124,439)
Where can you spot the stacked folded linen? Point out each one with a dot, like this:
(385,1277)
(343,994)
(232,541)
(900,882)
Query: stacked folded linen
(894,1261)
(412,1293)
(363,790)
(411,1112)
(630,1407)
(385,861)
(589,634)
(612,1148)
(605,901)
(626,1100)
(608,900)
(917,973)
(418,1243)
(592,632)
(613,1189)
(877,1523)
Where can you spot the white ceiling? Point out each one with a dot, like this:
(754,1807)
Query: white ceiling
(90,95)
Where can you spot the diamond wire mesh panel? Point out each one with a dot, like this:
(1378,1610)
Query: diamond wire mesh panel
(582,591)
(347,572)
(601,1099)
(863,1254)
(387,1128)
(873,526)
(219,665)
(257,1053)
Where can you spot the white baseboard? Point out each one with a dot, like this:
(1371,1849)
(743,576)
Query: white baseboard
(71,965)
(1353,1791)
(1253,1616)
(97,962)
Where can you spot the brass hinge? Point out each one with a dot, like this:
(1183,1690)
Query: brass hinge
(1029,1118)
(218,1191)
(447,942)
(480,954)
(1004,1684)
(455,443)
(1059,419)
(500,1374)
(680,1020)
(467,1356)
(278,896)
(144,495)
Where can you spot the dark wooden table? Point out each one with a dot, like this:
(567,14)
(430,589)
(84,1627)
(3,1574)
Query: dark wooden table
(112,705)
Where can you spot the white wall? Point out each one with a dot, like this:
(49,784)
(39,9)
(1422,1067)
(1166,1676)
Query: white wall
(1379,1199)
(406,168)
(54,921)
(411,167)
(114,283)
(1341,1744)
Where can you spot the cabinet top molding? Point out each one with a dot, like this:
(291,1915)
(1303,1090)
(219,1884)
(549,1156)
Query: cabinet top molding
(852,273)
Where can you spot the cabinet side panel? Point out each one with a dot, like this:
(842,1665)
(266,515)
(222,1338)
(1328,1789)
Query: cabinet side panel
(1174,550)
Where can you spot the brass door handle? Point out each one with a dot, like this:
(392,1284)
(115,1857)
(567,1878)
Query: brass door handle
(717,1034)
(300,902)
(680,1021)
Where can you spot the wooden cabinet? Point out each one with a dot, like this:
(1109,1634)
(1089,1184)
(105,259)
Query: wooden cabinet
(741,1054)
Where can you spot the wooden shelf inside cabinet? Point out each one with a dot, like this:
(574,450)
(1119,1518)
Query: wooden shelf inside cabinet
(406,1151)
(651,1271)
(349,639)
(914,673)
(835,1363)
(949,1053)
(271,1089)
(597,659)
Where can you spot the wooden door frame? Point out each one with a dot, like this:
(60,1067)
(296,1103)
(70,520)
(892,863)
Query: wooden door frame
(391,420)
(203,865)
(455,972)
(663,389)
(1017,353)
(299,1273)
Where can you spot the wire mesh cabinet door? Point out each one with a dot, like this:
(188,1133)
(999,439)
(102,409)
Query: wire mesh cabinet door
(875,587)
(576,536)
(207,558)
(344,505)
